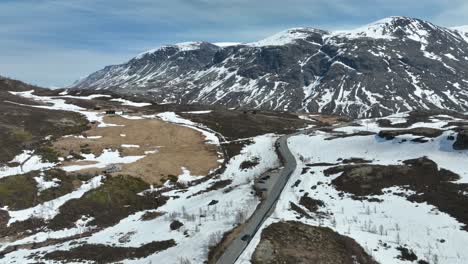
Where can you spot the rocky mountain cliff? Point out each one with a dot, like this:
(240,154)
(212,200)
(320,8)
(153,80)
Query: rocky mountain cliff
(392,65)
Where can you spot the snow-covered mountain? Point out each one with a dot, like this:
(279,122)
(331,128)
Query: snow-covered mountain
(392,65)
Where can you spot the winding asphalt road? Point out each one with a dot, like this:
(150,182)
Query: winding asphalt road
(252,225)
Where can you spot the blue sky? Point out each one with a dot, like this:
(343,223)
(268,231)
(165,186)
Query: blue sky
(54,42)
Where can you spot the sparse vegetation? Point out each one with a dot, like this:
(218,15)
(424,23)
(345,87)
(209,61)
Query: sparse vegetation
(20,191)
(249,163)
(115,199)
(106,254)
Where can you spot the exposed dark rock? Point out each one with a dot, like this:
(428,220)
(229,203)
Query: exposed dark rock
(310,203)
(151,215)
(175,225)
(462,140)
(4,217)
(213,202)
(420,131)
(406,254)
(295,242)
(107,254)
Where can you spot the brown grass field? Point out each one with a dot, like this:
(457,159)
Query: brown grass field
(177,147)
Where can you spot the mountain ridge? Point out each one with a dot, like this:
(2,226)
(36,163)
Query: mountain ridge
(392,65)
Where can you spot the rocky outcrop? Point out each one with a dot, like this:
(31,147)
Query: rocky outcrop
(462,140)
(295,242)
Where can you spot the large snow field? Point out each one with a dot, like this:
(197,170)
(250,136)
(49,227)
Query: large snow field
(379,227)
(317,149)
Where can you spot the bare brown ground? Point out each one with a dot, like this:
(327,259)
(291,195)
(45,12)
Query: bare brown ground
(326,119)
(176,146)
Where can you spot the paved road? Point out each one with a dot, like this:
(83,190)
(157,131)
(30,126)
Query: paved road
(250,228)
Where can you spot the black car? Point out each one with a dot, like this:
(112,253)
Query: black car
(245,237)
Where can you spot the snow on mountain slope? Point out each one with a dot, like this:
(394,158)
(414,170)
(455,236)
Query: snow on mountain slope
(183,46)
(393,65)
(227,44)
(463,31)
(377,29)
(461,28)
(285,37)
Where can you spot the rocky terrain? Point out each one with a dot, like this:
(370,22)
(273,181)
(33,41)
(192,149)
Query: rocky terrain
(393,65)
(295,242)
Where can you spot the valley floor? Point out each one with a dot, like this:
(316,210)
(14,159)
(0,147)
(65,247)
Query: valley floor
(145,186)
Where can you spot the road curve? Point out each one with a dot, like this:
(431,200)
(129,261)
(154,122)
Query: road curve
(252,225)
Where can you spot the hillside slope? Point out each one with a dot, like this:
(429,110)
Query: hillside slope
(392,65)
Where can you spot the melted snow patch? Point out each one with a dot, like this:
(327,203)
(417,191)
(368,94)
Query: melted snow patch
(151,151)
(199,112)
(28,162)
(43,184)
(186,177)
(130,103)
(80,228)
(172,117)
(60,104)
(107,157)
(129,146)
(88,97)
(50,209)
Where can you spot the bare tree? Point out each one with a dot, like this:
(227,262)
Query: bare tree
(240,216)
(184,260)
(215,238)
(398,239)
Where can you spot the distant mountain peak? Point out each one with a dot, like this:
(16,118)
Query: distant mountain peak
(182,46)
(392,28)
(288,36)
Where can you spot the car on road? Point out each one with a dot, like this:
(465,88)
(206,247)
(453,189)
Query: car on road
(266,177)
(245,237)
